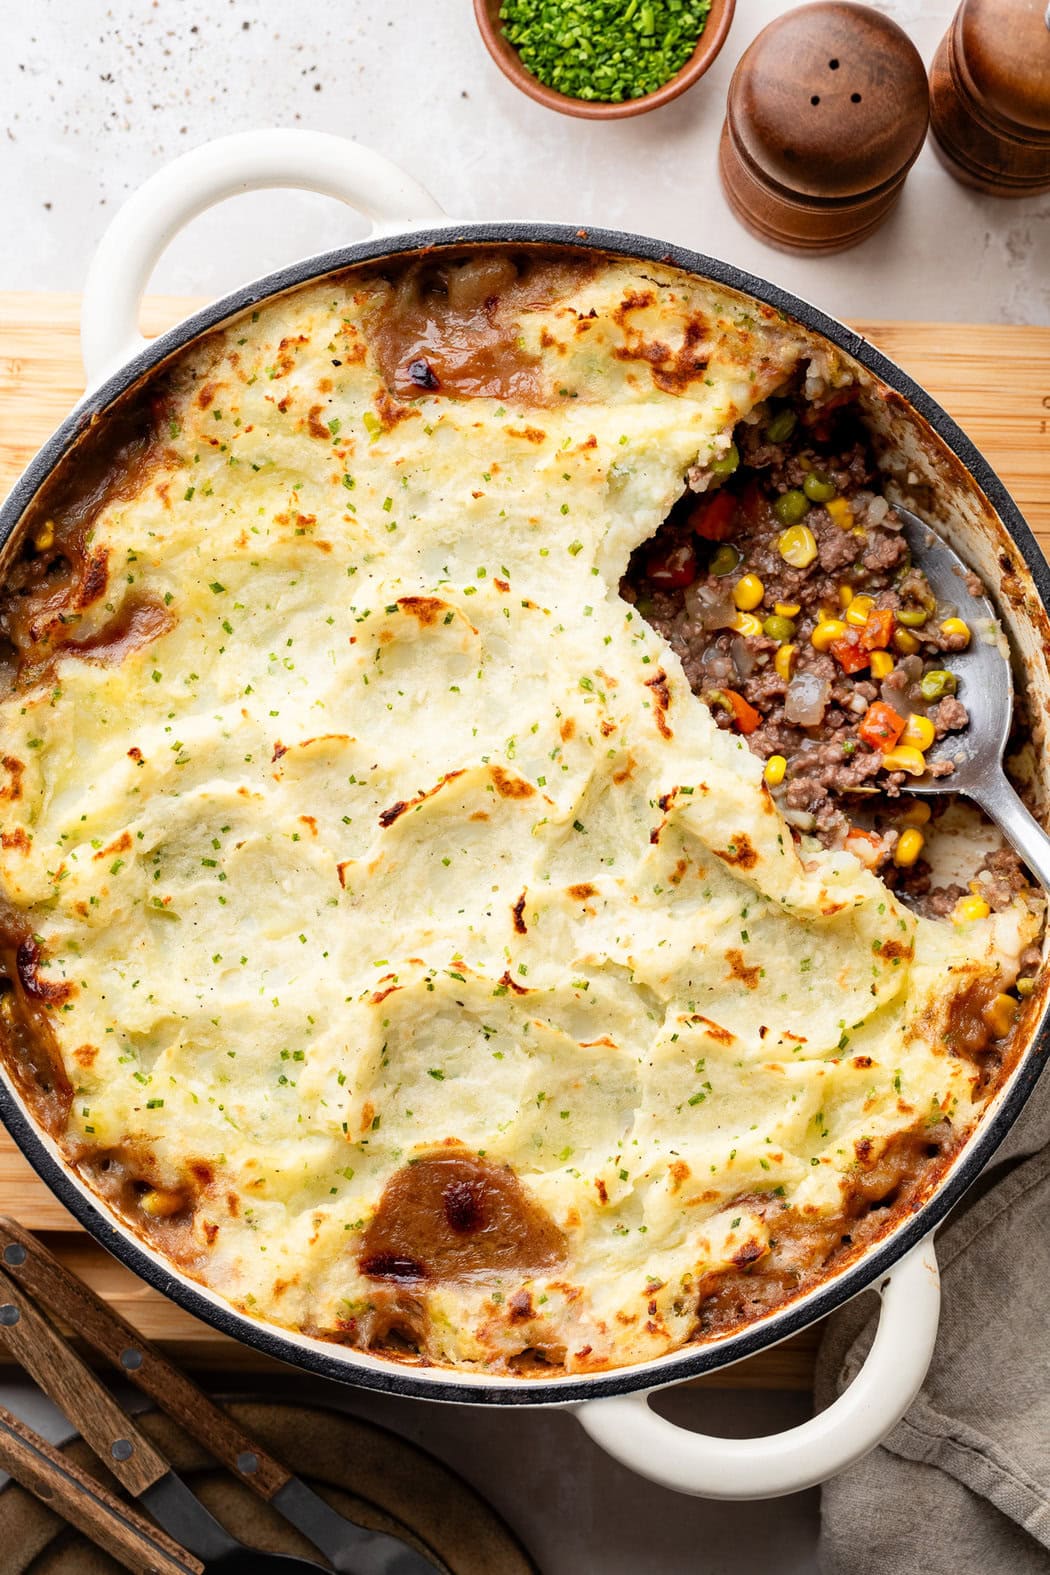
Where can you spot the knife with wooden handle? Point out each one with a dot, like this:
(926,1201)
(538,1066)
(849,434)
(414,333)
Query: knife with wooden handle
(61,1484)
(350,1548)
(140,1469)
(28,1262)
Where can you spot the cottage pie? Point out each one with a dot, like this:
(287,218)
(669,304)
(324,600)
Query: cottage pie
(458,897)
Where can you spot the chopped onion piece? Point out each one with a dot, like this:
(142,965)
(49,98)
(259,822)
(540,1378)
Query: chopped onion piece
(710,606)
(743,658)
(806,699)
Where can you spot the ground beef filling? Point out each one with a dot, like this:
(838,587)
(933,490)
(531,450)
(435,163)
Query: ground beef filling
(787,590)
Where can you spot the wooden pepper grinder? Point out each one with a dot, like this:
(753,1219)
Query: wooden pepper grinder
(990,97)
(826,114)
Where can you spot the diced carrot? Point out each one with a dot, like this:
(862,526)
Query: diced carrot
(820,419)
(712,518)
(864,846)
(881,726)
(877,630)
(753,509)
(744,715)
(850,652)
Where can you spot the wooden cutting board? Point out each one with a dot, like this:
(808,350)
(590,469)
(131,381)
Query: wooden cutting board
(995,381)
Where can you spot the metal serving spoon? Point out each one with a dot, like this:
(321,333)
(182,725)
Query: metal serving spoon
(986,688)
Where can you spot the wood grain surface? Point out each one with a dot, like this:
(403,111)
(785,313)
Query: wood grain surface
(994,380)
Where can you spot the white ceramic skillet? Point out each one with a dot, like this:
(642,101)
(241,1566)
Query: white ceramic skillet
(964,500)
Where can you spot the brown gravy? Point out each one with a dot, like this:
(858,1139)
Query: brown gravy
(967,1032)
(28,1047)
(804,1249)
(139,621)
(452,325)
(56,575)
(451,1216)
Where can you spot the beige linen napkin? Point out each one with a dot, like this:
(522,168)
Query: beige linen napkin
(962,1484)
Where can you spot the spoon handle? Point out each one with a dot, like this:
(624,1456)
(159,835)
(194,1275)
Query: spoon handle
(998,799)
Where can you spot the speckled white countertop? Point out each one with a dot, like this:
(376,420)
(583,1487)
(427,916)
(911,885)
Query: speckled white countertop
(96,94)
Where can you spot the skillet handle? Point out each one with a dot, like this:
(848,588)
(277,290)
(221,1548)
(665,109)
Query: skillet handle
(747,1468)
(177,193)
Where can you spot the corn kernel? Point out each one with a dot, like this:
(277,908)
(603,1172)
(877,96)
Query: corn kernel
(788,609)
(969,908)
(825,633)
(917,813)
(910,844)
(858,610)
(956,626)
(748,592)
(1000,1015)
(845,595)
(841,512)
(919,732)
(747,624)
(44,539)
(160,1204)
(905,758)
(1025,985)
(776,766)
(825,614)
(798,546)
(904,642)
(784,661)
(881,664)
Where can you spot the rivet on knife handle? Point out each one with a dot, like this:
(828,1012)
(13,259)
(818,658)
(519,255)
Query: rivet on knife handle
(61,1484)
(26,1260)
(71,1384)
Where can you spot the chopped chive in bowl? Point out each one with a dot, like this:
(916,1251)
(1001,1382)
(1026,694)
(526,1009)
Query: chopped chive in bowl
(606,51)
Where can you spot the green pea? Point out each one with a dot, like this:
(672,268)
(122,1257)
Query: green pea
(818,487)
(780,428)
(912,617)
(778,628)
(727,462)
(724,560)
(791,507)
(938,683)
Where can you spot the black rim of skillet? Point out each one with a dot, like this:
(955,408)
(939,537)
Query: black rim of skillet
(343,1363)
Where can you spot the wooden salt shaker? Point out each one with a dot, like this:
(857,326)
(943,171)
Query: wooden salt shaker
(826,114)
(990,97)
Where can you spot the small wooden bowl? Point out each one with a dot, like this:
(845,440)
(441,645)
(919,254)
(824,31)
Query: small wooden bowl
(486,13)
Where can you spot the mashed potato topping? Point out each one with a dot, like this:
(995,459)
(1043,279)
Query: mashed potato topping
(418,963)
